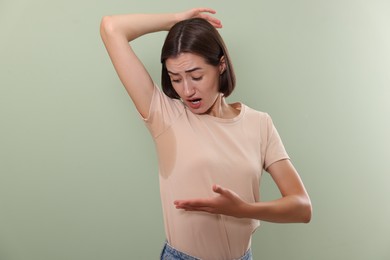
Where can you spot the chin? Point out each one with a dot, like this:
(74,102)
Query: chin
(198,111)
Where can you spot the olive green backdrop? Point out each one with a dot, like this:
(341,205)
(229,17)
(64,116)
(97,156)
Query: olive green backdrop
(78,173)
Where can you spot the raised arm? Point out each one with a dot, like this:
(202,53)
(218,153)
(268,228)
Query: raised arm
(118,30)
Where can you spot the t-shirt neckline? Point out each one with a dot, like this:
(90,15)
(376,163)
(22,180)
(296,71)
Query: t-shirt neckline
(237,105)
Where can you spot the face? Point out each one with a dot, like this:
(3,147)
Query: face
(195,81)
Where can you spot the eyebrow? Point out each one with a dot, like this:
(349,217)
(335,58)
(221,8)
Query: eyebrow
(187,71)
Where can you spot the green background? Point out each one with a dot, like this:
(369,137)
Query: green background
(78,172)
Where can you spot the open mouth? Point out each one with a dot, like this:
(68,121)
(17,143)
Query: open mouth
(195,101)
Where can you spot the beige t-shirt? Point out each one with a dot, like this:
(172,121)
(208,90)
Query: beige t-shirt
(197,151)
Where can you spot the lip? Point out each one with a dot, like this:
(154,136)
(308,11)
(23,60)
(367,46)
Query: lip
(196,105)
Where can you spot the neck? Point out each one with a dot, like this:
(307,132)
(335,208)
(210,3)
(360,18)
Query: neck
(222,109)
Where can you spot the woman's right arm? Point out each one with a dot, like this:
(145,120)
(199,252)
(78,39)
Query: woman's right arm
(118,30)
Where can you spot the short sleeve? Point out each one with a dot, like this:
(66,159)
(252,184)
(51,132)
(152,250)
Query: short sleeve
(163,112)
(272,148)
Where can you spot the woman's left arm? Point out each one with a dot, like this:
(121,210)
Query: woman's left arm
(293,207)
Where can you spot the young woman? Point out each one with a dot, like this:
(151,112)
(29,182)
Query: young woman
(211,153)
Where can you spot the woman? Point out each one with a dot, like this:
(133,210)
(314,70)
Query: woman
(211,153)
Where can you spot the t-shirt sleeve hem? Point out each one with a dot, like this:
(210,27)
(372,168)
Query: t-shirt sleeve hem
(276,160)
(148,118)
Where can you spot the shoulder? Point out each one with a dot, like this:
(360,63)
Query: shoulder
(261,115)
(163,112)
(261,120)
(161,103)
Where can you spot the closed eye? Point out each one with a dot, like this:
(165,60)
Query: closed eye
(175,80)
(196,78)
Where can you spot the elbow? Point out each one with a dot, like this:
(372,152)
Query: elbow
(306,211)
(302,209)
(307,216)
(106,26)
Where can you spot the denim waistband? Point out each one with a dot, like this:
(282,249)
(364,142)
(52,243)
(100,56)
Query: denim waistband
(170,253)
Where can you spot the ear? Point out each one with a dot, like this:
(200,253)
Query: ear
(222,65)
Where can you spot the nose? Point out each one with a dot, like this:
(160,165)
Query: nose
(189,90)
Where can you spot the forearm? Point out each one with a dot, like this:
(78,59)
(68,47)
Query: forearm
(289,209)
(132,26)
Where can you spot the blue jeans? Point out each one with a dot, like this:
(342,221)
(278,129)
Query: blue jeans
(170,253)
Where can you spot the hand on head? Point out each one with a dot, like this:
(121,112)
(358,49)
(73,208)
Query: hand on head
(201,13)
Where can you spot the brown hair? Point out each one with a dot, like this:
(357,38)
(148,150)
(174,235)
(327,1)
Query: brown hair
(199,37)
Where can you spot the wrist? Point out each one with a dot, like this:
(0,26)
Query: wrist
(246,210)
(174,19)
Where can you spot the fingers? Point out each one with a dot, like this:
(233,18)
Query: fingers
(194,206)
(191,203)
(205,10)
(218,189)
(203,202)
(211,19)
(204,13)
(204,209)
